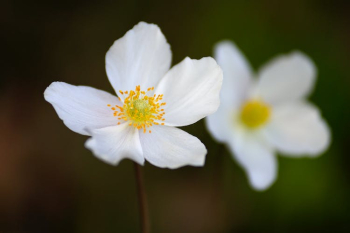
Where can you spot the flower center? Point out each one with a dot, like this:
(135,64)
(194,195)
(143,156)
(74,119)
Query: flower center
(255,113)
(139,109)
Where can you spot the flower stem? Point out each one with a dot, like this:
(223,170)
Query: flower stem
(141,194)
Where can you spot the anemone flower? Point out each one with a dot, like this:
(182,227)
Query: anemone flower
(152,100)
(260,117)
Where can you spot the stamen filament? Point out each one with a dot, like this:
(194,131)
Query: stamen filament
(139,110)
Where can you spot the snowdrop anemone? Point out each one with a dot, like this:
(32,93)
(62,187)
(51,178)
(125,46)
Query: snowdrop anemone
(258,118)
(152,100)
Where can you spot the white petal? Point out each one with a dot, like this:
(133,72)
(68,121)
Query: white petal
(298,129)
(112,144)
(81,107)
(237,74)
(141,57)
(287,78)
(172,148)
(191,91)
(256,157)
(220,123)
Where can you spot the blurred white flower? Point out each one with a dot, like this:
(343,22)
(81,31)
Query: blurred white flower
(258,118)
(152,99)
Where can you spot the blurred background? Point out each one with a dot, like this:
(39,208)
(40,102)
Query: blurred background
(50,183)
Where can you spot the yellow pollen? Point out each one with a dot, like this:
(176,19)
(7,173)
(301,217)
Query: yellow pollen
(255,113)
(139,109)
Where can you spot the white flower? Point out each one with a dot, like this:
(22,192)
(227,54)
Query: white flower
(258,118)
(139,124)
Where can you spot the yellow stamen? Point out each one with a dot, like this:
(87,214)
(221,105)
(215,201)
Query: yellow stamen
(255,113)
(139,110)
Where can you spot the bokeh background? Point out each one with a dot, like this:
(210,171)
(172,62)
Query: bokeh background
(50,183)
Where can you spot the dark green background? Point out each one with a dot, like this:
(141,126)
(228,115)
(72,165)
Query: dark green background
(50,183)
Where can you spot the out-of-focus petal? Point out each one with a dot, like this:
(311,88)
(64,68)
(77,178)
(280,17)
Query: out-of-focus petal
(221,123)
(237,74)
(286,78)
(298,129)
(255,155)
